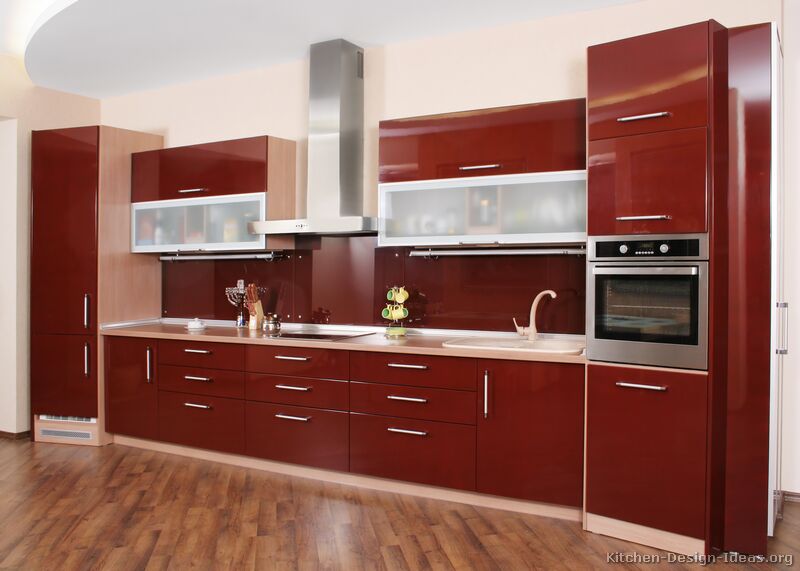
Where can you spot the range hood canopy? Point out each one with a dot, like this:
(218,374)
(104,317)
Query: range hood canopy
(335,196)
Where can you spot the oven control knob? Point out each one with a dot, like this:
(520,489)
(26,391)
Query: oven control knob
(663,248)
(623,249)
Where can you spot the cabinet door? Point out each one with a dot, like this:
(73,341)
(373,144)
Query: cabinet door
(649,184)
(530,431)
(64,231)
(648,83)
(131,390)
(64,375)
(225,167)
(646,447)
(505,140)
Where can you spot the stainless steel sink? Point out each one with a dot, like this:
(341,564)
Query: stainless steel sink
(556,346)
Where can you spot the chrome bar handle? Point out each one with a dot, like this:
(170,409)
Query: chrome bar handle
(783,328)
(292,417)
(193,405)
(479,167)
(406,399)
(86,359)
(149,370)
(198,351)
(191,190)
(292,388)
(656,115)
(291,358)
(644,217)
(199,379)
(407,431)
(405,366)
(624,385)
(86,311)
(486,393)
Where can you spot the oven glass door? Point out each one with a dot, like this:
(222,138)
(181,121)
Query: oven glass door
(647,304)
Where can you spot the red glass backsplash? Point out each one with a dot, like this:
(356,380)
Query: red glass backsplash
(344,281)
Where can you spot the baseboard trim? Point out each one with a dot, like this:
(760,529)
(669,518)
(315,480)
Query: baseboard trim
(635,533)
(369,482)
(15,435)
(791,497)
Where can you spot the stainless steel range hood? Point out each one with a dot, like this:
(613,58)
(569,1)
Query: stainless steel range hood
(335,197)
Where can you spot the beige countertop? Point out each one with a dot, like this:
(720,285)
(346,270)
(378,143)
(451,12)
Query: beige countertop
(419,344)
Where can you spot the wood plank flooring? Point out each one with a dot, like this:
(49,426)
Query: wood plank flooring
(70,507)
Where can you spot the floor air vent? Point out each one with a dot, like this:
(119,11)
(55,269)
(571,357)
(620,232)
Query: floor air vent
(83,419)
(70,434)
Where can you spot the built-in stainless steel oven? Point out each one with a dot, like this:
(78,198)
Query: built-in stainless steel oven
(647,300)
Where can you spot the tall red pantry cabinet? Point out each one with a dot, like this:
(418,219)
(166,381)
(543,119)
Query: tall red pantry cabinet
(82,271)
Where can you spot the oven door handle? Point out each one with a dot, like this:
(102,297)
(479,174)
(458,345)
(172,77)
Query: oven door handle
(645,271)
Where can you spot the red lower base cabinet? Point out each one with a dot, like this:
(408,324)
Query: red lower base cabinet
(299,435)
(530,431)
(201,421)
(646,447)
(422,451)
(64,375)
(131,388)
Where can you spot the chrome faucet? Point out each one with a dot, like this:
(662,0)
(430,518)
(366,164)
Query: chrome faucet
(530,331)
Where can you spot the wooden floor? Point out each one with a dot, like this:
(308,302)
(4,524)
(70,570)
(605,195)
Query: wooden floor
(71,507)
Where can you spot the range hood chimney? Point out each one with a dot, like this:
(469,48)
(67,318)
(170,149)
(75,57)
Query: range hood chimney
(335,196)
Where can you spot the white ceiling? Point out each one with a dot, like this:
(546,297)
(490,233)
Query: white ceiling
(103,48)
(18,18)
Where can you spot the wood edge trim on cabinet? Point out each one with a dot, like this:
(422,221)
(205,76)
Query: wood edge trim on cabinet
(644,535)
(98,436)
(282,189)
(354,345)
(647,368)
(368,482)
(585,436)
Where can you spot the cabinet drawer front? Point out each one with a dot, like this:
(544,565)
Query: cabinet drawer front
(297,391)
(298,362)
(211,382)
(202,421)
(308,436)
(237,166)
(199,354)
(646,447)
(413,370)
(417,402)
(436,453)
(649,184)
(648,83)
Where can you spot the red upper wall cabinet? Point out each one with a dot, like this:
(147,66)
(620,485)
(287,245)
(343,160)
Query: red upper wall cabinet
(649,184)
(226,167)
(64,189)
(525,138)
(650,83)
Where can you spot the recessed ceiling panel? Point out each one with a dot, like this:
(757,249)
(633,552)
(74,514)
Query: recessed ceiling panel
(103,48)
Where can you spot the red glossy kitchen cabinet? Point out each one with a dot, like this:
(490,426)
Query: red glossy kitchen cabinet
(201,421)
(64,201)
(649,83)
(308,436)
(504,140)
(64,375)
(530,431)
(646,447)
(423,451)
(131,388)
(226,167)
(654,183)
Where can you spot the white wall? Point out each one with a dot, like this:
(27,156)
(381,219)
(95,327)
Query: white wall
(791,380)
(34,108)
(8,280)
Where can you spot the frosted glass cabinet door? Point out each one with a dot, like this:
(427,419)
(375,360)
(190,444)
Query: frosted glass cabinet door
(190,224)
(532,208)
